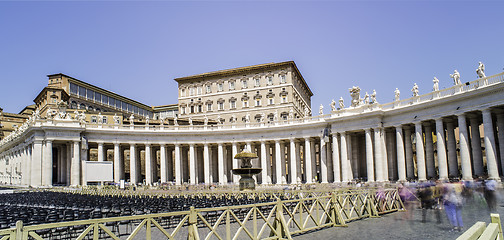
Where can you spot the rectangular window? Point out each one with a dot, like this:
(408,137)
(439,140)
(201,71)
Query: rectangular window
(270,80)
(231,85)
(270,100)
(257,82)
(93,119)
(221,106)
(200,108)
(282,79)
(98,97)
(191,91)
(258,102)
(232,104)
(209,107)
(74,88)
(182,92)
(245,103)
(244,84)
(82,91)
(104,99)
(90,94)
(284,99)
(200,91)
(104,120)
(208,89)
(221,87)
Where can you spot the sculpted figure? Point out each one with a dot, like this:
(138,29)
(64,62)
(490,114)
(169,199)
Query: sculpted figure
(366,98)
(275,116)
(341,104)
(82,117)
(397,93)
(263,117)
(131,119)
(205,120)
(219,120)
(321,109)
(333,105)
(147,120)
(373,97)
(481,70)
(100,118)
(291,114)
(190,121)
(456,77)
(355,94)
(306,112)
(247,118)
(36,114)
(233,118)
(415,90)
(175,121)
(436,85)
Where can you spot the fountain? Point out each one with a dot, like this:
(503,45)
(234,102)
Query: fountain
(246,171)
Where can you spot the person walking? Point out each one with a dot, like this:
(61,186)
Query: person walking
(453,202)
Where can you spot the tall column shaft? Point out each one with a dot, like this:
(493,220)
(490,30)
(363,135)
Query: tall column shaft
(163,162)
(133,164)
(148,164)
(178,165)
(410,170)
(369,156)
(336,158)
(117,163)
(378,156)
(308,161)
(47,164)
(220,163)
(293,162)
(101,154)
(441,150)
(465,159)
(264,164)
(278,162)
(401,160)
(345,168)
(452,149)
(420,152)
(75,170)
(323,160)
(234,151)
(490,153)
(500,137)
(206,163)
(192,164)
(476,146)
(429,151)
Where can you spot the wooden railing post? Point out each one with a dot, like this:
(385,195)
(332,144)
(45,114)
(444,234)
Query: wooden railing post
(19,230)
(496,219)
(193,227)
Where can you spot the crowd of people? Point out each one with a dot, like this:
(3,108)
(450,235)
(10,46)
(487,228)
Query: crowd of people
(450,196)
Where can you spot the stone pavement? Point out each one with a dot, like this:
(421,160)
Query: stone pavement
(397,226)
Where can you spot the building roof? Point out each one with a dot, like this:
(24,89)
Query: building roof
(238,70)
(110,93)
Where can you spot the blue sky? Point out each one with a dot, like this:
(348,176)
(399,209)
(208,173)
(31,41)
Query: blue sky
(136,49)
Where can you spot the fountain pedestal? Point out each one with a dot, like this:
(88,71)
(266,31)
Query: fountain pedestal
(246,171)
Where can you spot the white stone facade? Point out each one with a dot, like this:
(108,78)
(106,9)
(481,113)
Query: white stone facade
(375,142)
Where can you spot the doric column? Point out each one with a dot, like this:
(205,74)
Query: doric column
(452,149)
(117,162)
(133,164)
(27,173)
(385,167)
(220,162)
(378,156)
(336,158)
(323,160)
(429,151)
(278,162)
(234,151)
(192,164)
(490,153)
(410,170)
(163,162)
(345,168)
(47,164)
(420,153)
(500,136)
(264,164)
(206,163)
(441,150)
(465,159)
(369,156)
(307,160)
(101,154)
(75,165)
(148,164)
(401,160)
(476,145)
(293,162)
(298,161)
(178,167)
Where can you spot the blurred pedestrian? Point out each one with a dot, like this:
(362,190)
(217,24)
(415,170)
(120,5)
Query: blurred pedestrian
(453,202)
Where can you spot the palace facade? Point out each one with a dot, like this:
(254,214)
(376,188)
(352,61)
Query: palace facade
(453,132)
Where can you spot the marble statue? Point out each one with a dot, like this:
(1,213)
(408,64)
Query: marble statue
(190,121)
(321,109)
(306,112)
(219,119)
(36,114)
(366,99)
(263,117)
(161,121)
(341,104)
(481,70)
(275,116)
(247,118)
(333,105)
(205,119)
(415,90)
(175,120)
(131,119)
(291,114)
(147,120)
(355,94)
(397,94)
(82,117)
(233,118)
(456,77)
(436,84)
(373,97)
(100,118)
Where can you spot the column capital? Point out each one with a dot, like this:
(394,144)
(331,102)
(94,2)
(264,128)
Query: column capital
(398,127)
(132,144)
(461,114)
(306,138)
(147,144)
(100,142)
(487,110)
